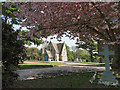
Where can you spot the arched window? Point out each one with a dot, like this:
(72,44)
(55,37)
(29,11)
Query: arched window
(50,48)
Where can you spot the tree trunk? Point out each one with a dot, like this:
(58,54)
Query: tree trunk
(116,61)
(91,56)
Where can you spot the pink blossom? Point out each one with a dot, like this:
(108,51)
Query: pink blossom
(6,4)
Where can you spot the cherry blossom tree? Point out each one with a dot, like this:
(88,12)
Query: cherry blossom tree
(88,21)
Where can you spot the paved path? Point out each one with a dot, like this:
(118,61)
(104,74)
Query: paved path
(70,67)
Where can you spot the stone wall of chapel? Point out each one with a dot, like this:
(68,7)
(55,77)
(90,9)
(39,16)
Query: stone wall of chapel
(51,49)
(64,54)
(57,57)
(64,58)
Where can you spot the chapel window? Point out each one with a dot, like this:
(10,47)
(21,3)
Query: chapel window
(50,48)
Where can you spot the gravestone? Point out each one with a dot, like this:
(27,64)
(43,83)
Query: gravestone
(77,59)
(107,75)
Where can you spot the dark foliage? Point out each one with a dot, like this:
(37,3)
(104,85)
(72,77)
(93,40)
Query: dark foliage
(12,50)
(12,47)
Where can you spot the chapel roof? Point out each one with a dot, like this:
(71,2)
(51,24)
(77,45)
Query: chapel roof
(49,53)
(55,47)
(58,46)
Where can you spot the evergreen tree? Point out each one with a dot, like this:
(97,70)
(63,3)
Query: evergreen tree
(69,53)
(90,46)
(12,47)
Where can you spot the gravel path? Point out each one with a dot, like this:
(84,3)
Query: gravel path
(53,71)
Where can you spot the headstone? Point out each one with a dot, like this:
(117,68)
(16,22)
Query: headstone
(107,75)
(87,60)
(77,59)
(50,59)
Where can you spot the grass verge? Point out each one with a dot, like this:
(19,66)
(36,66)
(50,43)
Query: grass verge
(79,80)
(95,63)
(38,64)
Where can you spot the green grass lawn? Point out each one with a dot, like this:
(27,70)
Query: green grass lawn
(80,80)
(95,63)
(39,64)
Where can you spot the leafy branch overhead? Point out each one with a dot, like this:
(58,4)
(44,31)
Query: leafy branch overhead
(27,40)
(88,21)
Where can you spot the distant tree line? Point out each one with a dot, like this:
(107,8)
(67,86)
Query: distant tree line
(78,53)
(33,53)
(85,51)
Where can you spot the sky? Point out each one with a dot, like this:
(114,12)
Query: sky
(65,39)
(2,0)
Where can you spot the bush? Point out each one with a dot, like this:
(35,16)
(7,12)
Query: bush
(8,77)
(85,56)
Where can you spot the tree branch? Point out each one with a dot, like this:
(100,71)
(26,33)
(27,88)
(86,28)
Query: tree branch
(86,24)
(99,33)
(109,26)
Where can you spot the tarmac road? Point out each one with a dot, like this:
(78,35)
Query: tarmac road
(69,67)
